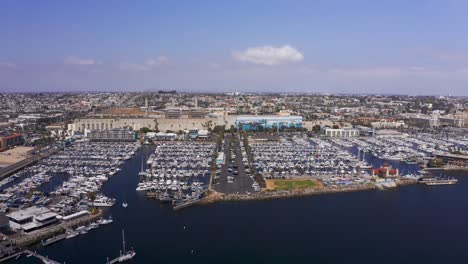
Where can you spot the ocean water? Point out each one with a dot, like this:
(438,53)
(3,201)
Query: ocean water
(411,224)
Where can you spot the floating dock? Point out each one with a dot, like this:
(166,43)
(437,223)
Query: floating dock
(39,256)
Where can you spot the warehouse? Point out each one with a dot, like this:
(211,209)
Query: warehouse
(259,123)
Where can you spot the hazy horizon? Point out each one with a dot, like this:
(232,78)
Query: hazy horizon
(359,47)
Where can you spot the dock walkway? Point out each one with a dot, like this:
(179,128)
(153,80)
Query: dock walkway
(39,256)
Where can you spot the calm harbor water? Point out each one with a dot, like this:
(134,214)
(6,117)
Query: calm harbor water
(417,224)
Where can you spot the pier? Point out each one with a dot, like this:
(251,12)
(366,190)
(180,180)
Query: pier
(39,256)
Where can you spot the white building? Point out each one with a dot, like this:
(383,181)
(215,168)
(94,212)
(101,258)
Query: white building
(388,124)
(341,132)
(31,218)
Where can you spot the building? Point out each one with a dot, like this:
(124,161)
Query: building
(173,113)
(165,136)
(159,124)
(118,135)
(10,140)
(453,159)
(258,123)
(452,121)
(31,218)
(389,133)
(341,132)
(384,123)
(424,121)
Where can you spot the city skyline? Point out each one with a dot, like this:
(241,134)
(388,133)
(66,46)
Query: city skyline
(395,47)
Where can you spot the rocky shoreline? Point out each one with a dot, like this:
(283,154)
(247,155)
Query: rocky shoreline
(269,195)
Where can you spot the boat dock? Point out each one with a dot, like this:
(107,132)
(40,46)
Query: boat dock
(185,204)
(53,239)
(39,256)
(12,256)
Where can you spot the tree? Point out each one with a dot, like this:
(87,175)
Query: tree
(144,130)
(91,196)
(316,128)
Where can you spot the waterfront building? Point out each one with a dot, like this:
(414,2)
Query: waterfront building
(31,218)
(256,123)
(341,132)
(453,159)
(10,140)
(119,135)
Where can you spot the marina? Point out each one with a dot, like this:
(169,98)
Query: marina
(179,172)
(176,236)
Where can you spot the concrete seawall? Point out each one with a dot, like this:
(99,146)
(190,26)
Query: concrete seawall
(35,237)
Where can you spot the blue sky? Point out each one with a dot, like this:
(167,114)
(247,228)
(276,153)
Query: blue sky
(405,47)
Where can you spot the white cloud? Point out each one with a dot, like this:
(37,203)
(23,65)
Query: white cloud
(7,65)
(269,55)
(146,66)
(214,65)
(134,67)
(161,60)
(368,72)
(73,60)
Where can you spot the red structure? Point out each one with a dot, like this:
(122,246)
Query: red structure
(386,171)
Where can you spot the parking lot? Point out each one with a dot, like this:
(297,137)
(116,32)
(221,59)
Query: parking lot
(232,177)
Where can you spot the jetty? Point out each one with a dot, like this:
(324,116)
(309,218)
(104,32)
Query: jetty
(11,256)
(39,256)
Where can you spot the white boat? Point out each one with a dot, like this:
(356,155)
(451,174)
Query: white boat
(106,221)
(72,234)
(127,255)
(124,205)
(103,202)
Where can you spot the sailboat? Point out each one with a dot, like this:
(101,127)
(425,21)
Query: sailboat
(142,172)
(127,255)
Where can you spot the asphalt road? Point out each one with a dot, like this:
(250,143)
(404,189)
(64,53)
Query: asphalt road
(241,183)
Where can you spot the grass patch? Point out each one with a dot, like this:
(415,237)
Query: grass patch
(284,185)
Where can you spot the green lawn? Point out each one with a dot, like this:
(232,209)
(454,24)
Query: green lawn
(293,184)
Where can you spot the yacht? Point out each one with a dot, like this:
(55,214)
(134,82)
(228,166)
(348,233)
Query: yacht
(106,221)
(103,201)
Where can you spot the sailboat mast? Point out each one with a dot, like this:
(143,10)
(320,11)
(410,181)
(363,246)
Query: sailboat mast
(123,242)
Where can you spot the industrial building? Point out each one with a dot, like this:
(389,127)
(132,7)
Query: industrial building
(112,135)
(256,123)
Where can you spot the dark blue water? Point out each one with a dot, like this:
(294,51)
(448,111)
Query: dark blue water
(412,224)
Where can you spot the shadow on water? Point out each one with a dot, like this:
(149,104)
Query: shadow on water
(411,224)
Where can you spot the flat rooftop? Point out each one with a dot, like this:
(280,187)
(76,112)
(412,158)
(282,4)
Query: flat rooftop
(28,213)
(14,155)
